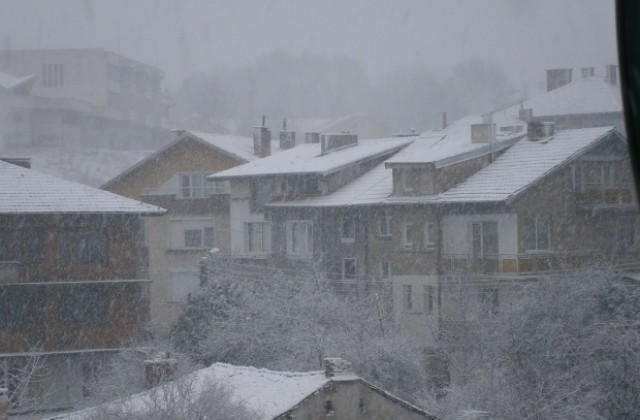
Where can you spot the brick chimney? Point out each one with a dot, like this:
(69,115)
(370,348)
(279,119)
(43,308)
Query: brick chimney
(262,140)
(334,366)
(4,404)
(537,130)
(557,78)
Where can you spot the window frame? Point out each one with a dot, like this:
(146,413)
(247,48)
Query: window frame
(264,235)
(355,268)
(389,269)
(291,227)
(348,222)
(407,297)
(386,221)
(534,238)
(408,230)
(429,236)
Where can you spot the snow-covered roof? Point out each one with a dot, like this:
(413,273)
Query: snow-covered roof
(268,393)
(25,191)
(593,95)
(307,159)
(519,167)
(12,83)
(237,147)
(524,164)
(454,142)
(371,188)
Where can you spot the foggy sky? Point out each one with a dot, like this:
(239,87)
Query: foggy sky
(524,37)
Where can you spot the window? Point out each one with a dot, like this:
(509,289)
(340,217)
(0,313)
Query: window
(36,246)
(52,75)
(484,239)
(537,233)
(11,246)
(348,229)
(260,194)
(624,234)
(20,307)
(196,185)
(191,234)
(90,247)
(64,247)
(300,238)
(489,300)
(385,225)
(407,235)
(407,179)
(257,237)
(385,269)
(407,298)
(83,305)
(198,238)
(182,283)
(429,236)
(428,299)
(349,268)
(329,411)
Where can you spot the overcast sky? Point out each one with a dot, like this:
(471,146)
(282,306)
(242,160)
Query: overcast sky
(524,37)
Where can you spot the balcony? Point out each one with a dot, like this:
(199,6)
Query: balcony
(518,264)
(605,196)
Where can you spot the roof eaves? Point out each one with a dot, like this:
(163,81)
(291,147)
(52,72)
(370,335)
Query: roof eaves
(515,195)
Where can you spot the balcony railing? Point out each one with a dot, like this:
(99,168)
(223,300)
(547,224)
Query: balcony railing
(193,192)
(518,264)
(605,195)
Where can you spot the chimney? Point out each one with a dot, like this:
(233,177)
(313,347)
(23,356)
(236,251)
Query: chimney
(4,404)
(331,142)
(287,138)
(587,72)
(334,366)
(540,130)
(611,74)
(526,114)
(444,120)
(557,78)
(312,137)
(262,140)
(159,369)
(487,118)
(483,133)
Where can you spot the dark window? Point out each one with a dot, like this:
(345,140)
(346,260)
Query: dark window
(489,300)
(193,238)
(348,228)
(428,299)
(537,233)
(328,409)
(407,297)
(11,246)
(484,239)
(20,307)
(385,225)
(349,268)
(83,305)
(36,247)
(64,248)
(90,247)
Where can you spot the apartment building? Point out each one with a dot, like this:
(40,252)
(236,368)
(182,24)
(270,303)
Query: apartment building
(71,292)
(83,97)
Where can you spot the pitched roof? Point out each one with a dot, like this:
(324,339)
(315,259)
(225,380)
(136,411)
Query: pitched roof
(25,191)
(440,146)
(16,84)
(269,393)
(518,168)
(591,95)
(306,159)
(524,164)
(236,147)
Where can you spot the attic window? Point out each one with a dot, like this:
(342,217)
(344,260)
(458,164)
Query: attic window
(328,409)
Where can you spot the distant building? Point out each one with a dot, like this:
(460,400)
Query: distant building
(274,395)
(82,97)
(71,291)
